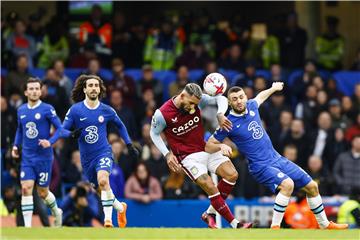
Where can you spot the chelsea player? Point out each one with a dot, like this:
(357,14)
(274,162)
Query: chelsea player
(266,165)
(92,116)
(34,121)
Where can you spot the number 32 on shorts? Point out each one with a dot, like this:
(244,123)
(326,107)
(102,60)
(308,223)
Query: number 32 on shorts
(105,162)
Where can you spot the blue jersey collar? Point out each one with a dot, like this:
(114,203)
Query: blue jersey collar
(35,106)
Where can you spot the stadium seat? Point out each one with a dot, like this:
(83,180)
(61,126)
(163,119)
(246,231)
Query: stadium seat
(37,72)
(135,73)
(73,73)
(195,74)
(346,81)
(166,77)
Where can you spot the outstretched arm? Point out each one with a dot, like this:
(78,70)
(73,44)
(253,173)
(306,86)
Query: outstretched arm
(158,124)
(222,104)
(263,95)
(213,145)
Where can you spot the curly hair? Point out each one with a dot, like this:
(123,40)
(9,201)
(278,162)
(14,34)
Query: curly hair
(78,94)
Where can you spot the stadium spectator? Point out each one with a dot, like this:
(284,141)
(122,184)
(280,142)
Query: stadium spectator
(8,124)
(96,33)
(246,79)
(157,164)
(125,114)
(54,45)
(271,110)
(320,175)
(55,94)
(93,67)
(123,82)
(347,168)
(149,82)
(276,72)
(65,81)
(356,97)
(291,152)
(297,136)
(194,56)
(348,108)
(145,141)
(81,206)
(143,187)
(302,82)
(292,40)
(322,140)
(162,47)
(332,89)
(338,119)
(181,80)
(35,28)
(19,42)
(233,60)
(341,145)
(330,46)
(278,132)
(17,78)
(259,84)
(121,156)
(121,40)
(354,130)
(349,211)
(321,102)
(306,109)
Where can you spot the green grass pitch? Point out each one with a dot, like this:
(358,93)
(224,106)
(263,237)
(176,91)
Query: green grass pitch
(174,233)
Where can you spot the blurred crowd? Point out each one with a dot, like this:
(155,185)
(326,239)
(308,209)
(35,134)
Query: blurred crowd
(311,122)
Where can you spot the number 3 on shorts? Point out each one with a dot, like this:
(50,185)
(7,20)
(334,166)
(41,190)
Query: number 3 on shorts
(105,162)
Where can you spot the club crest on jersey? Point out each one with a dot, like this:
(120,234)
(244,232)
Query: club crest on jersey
(22,174)
(194,170)
(37,116)
(280,175)
(174,120)
(252,113)
(101,118)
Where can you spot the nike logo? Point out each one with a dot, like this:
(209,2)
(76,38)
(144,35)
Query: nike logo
(82,119)
(22,116)
(238,125)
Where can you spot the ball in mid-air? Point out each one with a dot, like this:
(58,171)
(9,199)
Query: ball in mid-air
(215,84)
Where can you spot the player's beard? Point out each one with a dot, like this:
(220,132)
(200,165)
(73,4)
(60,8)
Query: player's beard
(92,96)
(238,110)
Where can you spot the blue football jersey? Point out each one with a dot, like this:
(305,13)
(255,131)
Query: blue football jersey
(250,137)
(33,124)
(93,121)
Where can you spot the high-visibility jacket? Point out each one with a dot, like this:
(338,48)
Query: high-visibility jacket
(344,213)
(162,56)
(104,32)
(330,52)
(270,52)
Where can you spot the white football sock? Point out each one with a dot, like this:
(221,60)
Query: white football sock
(316,206)
(50,201)
(27,208)
(107,201)
(280,204)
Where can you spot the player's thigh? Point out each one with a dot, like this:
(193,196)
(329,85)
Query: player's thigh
(27,172)
(221,165)
(271,177)
(195,165)
(296,173)
(43,172)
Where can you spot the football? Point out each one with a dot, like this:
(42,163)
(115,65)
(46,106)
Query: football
(215,84)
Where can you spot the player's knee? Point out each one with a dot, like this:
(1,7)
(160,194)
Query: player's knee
(43,192)
(233,176)
(103,182)
(26,189)
(288,185)
(312,188)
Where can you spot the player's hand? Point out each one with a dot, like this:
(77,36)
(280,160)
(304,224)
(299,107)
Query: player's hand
(172,162)
(224,122)
(277,86)
(226,150)
(15,152)
(44,143)
(76,133)
(133,152)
